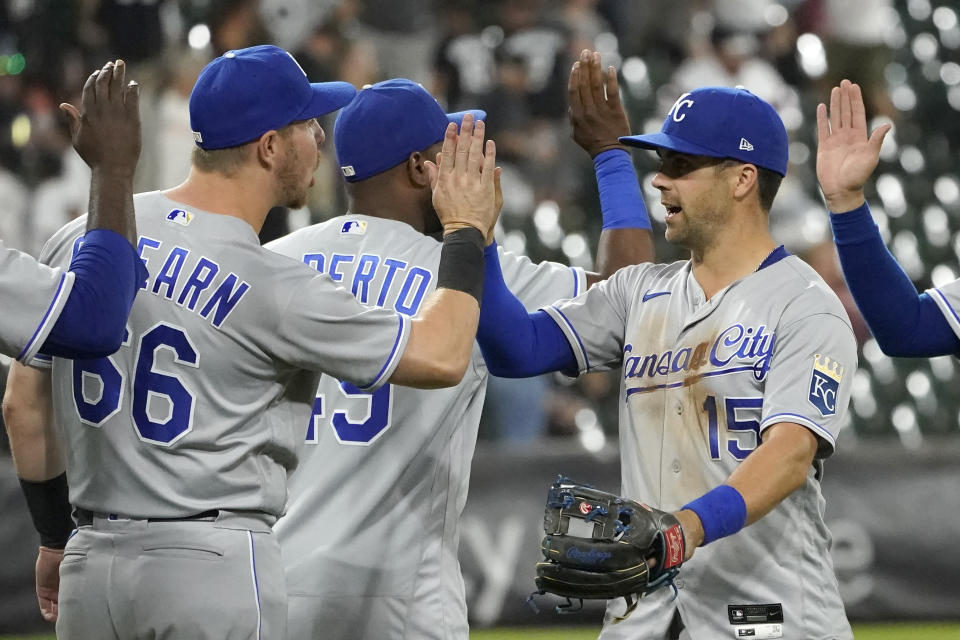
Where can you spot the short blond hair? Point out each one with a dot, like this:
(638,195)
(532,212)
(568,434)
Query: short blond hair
(228,160)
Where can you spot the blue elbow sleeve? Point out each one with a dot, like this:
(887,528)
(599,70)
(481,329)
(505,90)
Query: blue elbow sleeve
(107,275)
(904,323)
(516,344)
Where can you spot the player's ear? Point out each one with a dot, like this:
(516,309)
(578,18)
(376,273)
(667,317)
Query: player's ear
(746,180)
(268,149)
(416,171)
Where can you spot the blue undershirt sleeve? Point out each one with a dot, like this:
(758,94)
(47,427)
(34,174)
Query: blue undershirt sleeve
(904,323)
(514,343)
(621,203)
(108,273)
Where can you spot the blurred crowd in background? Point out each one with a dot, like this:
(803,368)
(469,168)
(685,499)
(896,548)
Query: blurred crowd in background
(512,58)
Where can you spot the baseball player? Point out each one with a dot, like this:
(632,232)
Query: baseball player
(904,323)
(735,378)
(371,533)
(176,470)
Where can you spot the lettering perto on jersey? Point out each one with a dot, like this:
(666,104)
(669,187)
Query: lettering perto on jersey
(371,277)
(200,287)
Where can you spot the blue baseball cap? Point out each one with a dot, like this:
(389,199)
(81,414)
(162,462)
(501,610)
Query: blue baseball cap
(722,123)
(245,93)
(387,122)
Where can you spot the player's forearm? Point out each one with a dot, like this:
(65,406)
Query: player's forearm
(626,237)
(37,456)
(28,417)
(441,341)
(111,201)
(903,322)
(619,248)
(775,469)
(442,334)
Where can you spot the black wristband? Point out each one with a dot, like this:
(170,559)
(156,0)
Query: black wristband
(461,262)
(49,505)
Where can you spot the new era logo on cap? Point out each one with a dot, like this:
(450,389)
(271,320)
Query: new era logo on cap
(745,145)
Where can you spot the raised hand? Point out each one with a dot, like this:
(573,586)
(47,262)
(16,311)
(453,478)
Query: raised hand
(464,179)
(106,129)
(595,111)
(846,156)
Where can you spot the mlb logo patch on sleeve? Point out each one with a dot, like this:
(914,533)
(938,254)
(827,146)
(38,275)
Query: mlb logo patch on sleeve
(825,384)
(354,227)
(181,217)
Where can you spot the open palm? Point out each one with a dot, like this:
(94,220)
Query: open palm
(846,156)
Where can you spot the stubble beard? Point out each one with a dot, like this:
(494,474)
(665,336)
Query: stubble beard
(697,236)
(293,193)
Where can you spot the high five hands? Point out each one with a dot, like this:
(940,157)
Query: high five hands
(846,155)
(595,111)
(105,130)
(465,179)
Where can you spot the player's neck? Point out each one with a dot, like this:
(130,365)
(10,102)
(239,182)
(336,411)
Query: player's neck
(389,204)
(735,253)
(230,196)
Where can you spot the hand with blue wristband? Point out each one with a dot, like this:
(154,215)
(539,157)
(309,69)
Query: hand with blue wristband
(722,512)
(599,121)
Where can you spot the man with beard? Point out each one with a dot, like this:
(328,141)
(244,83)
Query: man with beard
(736,368)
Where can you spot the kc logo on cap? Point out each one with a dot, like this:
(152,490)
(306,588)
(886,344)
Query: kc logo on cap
(676,111)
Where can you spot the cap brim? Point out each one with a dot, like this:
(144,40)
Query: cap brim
(457,116)
(327,98)
(662,140)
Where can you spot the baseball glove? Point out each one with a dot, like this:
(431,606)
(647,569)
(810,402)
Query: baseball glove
(597,546)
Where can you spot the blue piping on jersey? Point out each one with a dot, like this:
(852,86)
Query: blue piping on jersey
(256,584)
(386,365)
(583,351)
(801,420)
(692,379)
(775,256)
(576,282)
(43,321)
(947,304)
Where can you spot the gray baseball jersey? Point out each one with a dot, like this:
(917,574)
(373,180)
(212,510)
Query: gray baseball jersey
(175,422)
(701,380)
(372,528)
(33,296)
(947,298)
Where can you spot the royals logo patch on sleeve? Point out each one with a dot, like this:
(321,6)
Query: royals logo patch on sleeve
(825,384)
